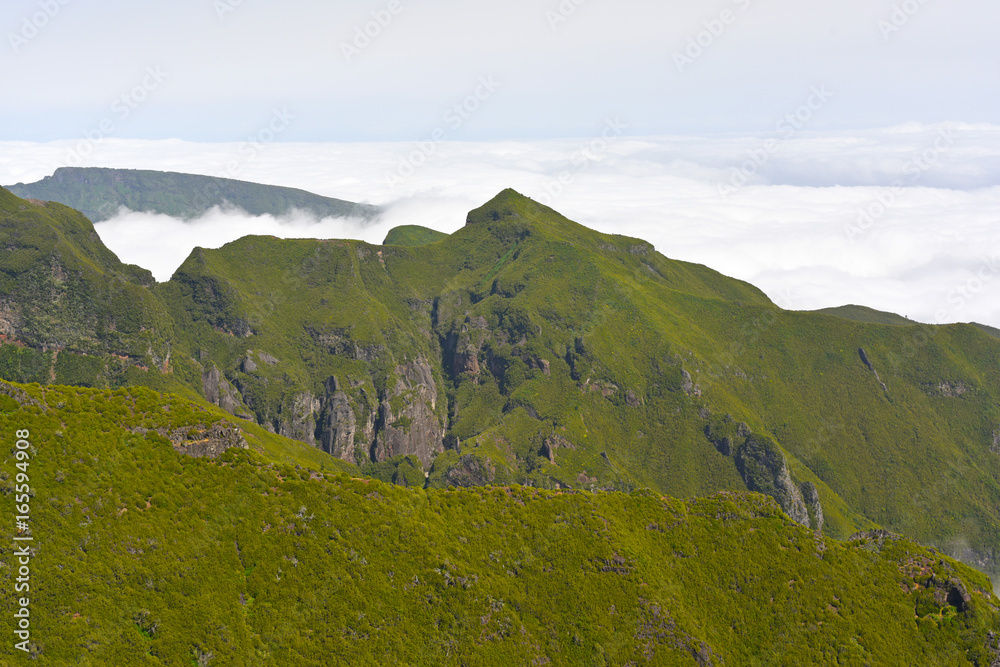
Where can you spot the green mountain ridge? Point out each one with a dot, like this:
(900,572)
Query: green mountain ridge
(527,349)
(865,314)
(165,532)
(100,192)
(412,235)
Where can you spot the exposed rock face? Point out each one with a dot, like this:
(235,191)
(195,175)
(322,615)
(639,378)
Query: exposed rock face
(10,319)
(464,345)
(550,445)
(867,362)
(995,447)
(338,425)
(218,391)
(948,389)
(688,386)
(763,468)
(412,427)
(17,394)
(951,591)
(726,434)
(248,365)
(811,497)
(201,441)
(471,470)
(300,424)
(340,342)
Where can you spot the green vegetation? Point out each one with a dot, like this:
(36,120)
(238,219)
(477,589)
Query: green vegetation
(143,555)
(100,192)
(865,314)
(412,235)
(527,349)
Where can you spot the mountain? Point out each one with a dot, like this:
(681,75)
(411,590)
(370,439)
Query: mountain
(412,235)
(865,314)
(163,531)
(100,192)
(527,349)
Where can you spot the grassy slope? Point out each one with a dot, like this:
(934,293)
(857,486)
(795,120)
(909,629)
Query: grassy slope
(412,235)
(865,314)
(145,556)
(618,325)
(100,192)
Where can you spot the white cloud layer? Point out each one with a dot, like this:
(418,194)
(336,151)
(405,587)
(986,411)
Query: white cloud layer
(905,219)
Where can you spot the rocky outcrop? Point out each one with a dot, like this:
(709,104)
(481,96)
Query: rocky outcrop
(407,422)
(688,385)
(726,434)
(340,433)
(764,470)
(947,389)
(464,346)
(299,419)
(340,342)
(810,495)
(10,319)
(551,444)
(218,391)
(868,362)
(201,441)
(19,395)
(470,470)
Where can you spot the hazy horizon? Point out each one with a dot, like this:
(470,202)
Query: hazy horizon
(827,153)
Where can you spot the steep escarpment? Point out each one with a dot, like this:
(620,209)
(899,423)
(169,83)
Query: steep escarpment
(525,348)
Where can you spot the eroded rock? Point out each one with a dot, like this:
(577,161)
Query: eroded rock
(764,469)
(412,426)
(201,441)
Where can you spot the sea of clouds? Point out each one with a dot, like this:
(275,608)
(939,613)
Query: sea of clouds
(904,219)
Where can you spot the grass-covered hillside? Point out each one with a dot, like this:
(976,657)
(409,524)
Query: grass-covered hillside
(412,235)
(527,349)
(142,554)
(99,193)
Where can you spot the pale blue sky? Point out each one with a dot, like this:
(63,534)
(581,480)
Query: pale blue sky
(229,63)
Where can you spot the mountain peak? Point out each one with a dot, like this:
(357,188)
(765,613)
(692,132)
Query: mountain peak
(508,203)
